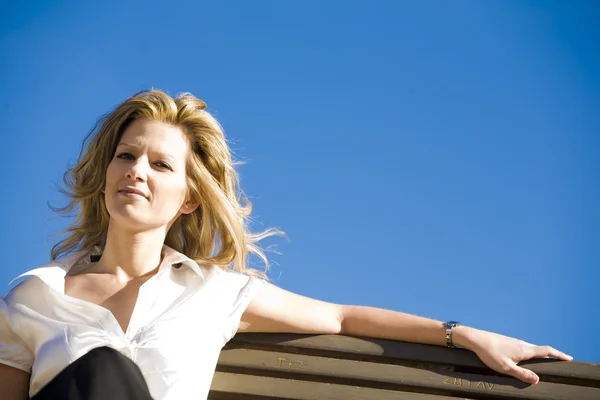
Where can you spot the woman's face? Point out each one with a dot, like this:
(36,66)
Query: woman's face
(146,179)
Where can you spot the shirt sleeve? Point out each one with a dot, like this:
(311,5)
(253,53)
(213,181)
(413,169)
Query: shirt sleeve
(13,350)
(236,291)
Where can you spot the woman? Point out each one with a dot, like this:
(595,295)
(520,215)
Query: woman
(151,280)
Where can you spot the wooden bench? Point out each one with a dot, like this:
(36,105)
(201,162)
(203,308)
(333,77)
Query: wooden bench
(302,367)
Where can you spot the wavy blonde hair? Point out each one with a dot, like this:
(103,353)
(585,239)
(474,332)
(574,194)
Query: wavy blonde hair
(221,219)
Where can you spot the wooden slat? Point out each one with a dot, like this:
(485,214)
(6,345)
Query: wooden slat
(357,348)
(403,353)
(228,386)
(572,372)
(394,377)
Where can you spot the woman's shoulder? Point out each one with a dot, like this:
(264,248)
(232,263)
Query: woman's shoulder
(30,283)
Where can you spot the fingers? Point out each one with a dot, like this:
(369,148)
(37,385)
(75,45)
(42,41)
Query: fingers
(526,375)
(547,351)
(522,374)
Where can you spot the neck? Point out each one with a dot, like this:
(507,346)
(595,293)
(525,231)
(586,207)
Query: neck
(129,255)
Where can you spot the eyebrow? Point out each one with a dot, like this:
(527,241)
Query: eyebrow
(127,144)
(160,153)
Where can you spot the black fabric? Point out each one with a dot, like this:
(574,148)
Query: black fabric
(101,374)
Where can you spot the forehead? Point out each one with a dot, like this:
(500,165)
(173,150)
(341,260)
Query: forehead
(156,136)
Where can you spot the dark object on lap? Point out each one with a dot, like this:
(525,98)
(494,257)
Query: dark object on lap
(101,374)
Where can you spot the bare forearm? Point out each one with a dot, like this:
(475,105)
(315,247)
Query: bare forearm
(387,324)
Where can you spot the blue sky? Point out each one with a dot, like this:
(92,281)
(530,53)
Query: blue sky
(439,158)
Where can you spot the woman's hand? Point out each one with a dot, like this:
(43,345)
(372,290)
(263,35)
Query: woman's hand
(502,353)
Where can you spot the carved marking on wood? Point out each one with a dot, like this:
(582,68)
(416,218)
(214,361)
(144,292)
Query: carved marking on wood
(466,382)
(284,362)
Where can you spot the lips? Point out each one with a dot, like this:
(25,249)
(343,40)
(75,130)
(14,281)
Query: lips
(132,192)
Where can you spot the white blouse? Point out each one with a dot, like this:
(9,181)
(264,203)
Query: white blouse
(184,315)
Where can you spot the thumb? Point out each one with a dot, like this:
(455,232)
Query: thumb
(524,375)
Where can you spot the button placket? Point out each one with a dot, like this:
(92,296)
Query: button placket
(140,310)
(142,314)
(134,346)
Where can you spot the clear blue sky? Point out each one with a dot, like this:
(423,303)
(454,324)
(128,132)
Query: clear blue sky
(440,158)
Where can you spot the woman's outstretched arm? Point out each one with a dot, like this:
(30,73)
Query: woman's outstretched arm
(277,310)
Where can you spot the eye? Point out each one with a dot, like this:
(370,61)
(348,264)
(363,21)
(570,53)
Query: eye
(126,156)
(162,164)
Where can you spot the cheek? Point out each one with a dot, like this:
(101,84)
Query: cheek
(111,176)
(109,184)
(172,195)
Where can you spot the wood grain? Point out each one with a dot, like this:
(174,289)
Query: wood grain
(229,386)
(302,367)
(394,377)
(403,353)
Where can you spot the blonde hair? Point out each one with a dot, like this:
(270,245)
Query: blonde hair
(221,219)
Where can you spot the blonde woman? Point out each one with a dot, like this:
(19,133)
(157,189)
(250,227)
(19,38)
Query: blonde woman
(151,280)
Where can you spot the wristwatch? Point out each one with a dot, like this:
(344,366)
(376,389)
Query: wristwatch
(449,325)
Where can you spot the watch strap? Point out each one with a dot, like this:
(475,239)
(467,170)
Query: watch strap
(449,325)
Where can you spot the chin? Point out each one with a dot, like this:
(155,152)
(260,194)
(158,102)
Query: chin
(129,219)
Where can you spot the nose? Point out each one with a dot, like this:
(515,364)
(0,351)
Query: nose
(137,172)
